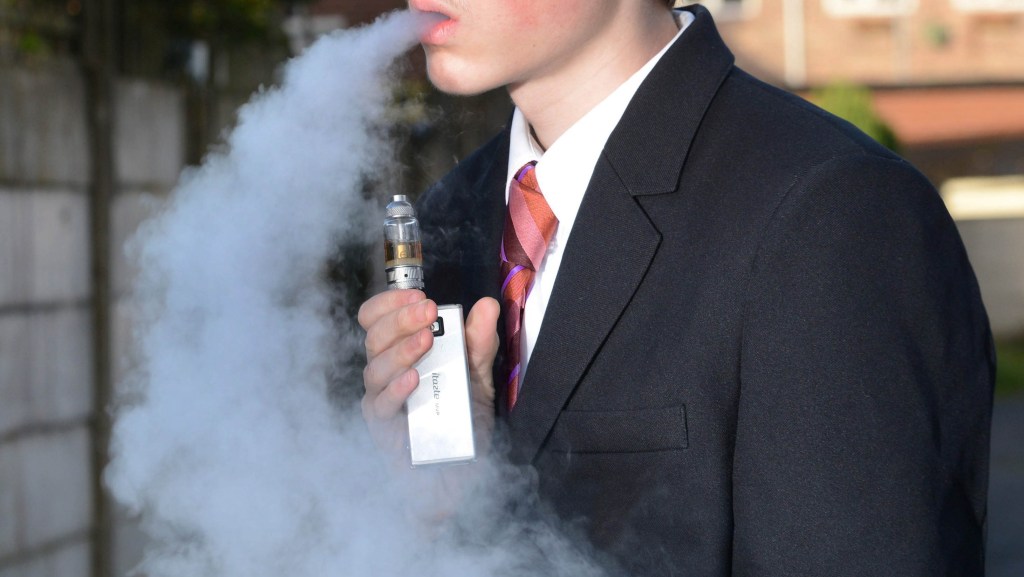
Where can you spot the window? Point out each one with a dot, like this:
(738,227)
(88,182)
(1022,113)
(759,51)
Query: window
(869,8)
(989,5)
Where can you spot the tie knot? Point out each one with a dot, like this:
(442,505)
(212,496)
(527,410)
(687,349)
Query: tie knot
(527,176)
(530,224)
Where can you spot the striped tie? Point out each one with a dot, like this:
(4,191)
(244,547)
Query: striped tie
(529,227)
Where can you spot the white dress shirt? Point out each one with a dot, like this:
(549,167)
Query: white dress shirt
(563,173)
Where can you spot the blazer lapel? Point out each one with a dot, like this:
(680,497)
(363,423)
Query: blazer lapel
(613,242)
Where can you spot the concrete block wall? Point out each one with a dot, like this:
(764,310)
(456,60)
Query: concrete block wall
(150,146)
(43,134)
(46,389)
(47,394)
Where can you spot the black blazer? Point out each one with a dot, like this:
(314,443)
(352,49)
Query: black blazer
(765,352)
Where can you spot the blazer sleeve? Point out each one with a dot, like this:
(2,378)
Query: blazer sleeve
(866,384)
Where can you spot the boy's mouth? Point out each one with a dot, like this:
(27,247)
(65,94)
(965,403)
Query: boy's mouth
(437,26)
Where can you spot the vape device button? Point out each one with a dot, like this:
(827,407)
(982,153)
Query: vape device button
(438,327)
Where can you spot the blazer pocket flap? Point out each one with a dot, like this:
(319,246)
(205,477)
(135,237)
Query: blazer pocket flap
(630,431)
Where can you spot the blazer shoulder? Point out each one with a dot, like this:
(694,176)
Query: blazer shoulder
(788,123)
(767,148)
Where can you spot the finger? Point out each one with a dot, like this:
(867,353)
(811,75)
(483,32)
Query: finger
(482,339)
(383,368)
(389,402)
(398,324)
(386,302)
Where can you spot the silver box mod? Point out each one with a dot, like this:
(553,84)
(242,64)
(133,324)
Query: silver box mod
(440,409)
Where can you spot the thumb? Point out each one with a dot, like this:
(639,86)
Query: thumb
(482,339)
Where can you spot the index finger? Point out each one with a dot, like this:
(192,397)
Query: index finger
(386,302)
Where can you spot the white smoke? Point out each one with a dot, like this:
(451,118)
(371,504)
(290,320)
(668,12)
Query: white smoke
(225,442)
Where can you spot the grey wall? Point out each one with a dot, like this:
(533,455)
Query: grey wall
(996,250)
(46,357)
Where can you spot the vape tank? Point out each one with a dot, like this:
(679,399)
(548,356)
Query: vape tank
(403,250)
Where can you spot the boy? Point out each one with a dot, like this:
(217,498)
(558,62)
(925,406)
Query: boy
(738,337)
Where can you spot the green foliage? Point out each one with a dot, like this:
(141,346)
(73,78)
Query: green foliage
(32,43)
(156,34)
(32,30)
(853,103)
(1010,367)
(937,34)
(29,9)
(150,33)
(227,22)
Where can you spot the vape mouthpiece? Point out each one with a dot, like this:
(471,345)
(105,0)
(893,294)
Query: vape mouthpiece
(403,251)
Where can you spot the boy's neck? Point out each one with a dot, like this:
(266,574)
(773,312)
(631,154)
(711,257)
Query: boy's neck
(553,101)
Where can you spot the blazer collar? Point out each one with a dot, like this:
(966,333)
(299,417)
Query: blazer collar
(674,97)
(613,242)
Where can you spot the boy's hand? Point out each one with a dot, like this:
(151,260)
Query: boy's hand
(397,324)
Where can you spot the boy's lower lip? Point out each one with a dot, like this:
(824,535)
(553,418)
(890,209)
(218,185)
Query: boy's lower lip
(439,32)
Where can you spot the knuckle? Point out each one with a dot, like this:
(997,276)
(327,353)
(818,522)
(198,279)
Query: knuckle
(368,374)
(363,317)
(405,318)
(413,348)
(373,379)
(371,346)
(374,341)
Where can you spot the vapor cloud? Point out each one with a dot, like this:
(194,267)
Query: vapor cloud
(225,442)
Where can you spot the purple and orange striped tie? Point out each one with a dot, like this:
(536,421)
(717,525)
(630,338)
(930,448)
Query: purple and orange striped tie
(529,228)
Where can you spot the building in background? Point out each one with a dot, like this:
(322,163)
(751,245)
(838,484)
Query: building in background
(947,75)
(799,43)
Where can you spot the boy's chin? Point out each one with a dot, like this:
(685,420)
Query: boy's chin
(454,82)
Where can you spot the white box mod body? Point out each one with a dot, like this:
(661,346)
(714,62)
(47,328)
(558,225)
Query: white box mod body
(440,410)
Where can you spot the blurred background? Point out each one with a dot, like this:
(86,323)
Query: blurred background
(104,102)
